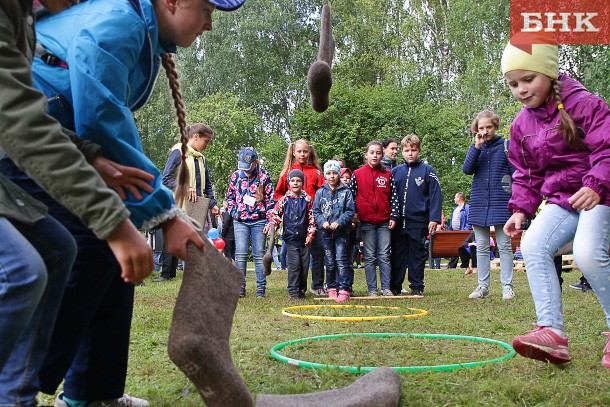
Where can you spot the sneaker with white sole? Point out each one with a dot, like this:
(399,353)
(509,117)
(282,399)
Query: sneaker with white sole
(387,292)
(125,401)
(319,292)
(508,293)
(372,294)
(543,344)
(480,292)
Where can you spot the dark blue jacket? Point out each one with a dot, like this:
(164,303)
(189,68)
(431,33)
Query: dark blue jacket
(491,182)
(418,195)
(296,213)
(334,206)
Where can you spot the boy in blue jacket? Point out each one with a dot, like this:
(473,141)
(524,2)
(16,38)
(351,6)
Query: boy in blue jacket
(334,210)
(416,209)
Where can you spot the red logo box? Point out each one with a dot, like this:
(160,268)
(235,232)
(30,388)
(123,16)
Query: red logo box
(560,22)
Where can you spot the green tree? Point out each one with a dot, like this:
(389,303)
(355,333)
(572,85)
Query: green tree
(235,126)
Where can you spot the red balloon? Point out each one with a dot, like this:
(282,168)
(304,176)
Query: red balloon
(219,243)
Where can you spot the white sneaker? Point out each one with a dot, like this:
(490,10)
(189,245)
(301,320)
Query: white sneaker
(372,293)
(480,292)
(387,292)
(404,291)
(508,293)
(125,401)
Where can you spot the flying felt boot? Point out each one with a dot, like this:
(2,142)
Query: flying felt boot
(378,388)
(319,77)
(201,326)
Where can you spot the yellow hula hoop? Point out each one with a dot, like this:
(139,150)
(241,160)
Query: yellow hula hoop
(420,313)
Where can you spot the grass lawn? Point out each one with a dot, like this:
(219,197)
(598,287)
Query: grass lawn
(259,325)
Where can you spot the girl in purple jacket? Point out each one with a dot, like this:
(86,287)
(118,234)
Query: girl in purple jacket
(560,149)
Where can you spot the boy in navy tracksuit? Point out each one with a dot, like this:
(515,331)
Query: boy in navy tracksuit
(416,211)
(295,209)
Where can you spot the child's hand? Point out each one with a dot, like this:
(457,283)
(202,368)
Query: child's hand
(308,241)
(585,198)
(391,224)
(192,195)
(177,233)
(432,227)
(132,252)
(513,224)
(479,138)
(326,225)
(120,177)
(334,226)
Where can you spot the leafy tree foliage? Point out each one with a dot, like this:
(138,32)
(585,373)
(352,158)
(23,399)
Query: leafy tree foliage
(417,66)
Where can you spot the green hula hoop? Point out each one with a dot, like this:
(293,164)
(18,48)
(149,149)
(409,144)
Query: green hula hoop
(420,313)
(400,369)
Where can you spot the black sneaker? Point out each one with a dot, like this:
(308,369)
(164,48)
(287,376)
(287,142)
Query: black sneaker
(260,293)
(417,291)
(242,291)
(586,288)
(302,295)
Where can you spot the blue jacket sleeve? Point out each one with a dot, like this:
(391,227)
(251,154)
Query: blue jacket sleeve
(317,210)
(436,198)
(99,93)
(350,210)
(171,166)
(470,162)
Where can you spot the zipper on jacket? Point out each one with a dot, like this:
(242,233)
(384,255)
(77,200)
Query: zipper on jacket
(404,206)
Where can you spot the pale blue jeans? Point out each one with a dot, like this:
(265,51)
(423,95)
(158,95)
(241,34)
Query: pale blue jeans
(551,230)
(506,255)
(246,234)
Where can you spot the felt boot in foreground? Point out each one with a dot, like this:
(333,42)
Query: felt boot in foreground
(201,325)
(379,388)
(319,76)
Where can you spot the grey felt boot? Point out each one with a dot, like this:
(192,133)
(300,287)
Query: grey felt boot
(379,388)
(319,77)
(268,257)
(201,325)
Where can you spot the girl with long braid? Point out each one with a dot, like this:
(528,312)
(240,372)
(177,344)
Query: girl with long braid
(560,149)
(97,63)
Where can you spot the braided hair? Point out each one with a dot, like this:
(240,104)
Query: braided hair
(169,65)
(570,132)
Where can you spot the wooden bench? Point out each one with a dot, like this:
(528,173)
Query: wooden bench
(445,243)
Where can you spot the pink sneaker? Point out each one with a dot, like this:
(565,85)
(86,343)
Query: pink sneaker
(332,293)
(542,344)
(606,354)
(343,296)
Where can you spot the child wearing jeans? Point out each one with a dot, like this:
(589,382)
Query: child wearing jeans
(416,211)
(334,210)
(295,210)
(250,203)
(559,149)
(372,187)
